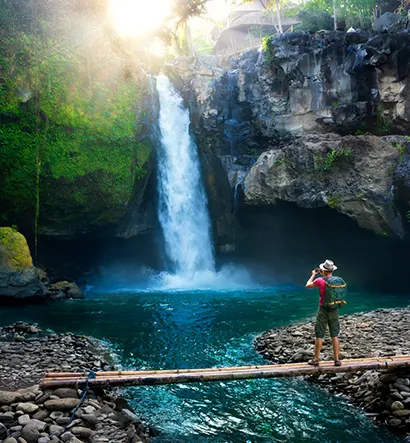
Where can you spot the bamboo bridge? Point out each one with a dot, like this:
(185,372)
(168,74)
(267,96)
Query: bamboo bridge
(163,377)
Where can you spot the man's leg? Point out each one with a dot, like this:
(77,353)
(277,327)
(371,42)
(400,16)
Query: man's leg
(334,329)
(336,348)
(320,328)
(318,347)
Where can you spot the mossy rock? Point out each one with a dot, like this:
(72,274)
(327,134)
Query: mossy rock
(14,251)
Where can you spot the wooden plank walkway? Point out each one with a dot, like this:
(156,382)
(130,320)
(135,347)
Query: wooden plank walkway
(162,377)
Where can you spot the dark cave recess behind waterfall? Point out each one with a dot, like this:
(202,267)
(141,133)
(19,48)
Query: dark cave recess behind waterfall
(279,245)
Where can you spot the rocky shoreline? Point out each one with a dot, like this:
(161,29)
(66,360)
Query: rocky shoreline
(384,395)
(29,414)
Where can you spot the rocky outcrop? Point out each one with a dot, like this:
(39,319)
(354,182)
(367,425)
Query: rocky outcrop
(383,394)
(32,414)
(353,175)
(18,277)
(293,102)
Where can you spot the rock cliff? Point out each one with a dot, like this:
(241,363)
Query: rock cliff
(294,106)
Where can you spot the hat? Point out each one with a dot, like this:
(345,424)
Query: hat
(328,265)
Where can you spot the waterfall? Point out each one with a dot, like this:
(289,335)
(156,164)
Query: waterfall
(183,210)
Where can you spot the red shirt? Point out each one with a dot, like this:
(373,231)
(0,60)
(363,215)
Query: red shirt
(321,284)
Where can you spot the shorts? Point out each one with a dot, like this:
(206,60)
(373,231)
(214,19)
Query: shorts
(327,318)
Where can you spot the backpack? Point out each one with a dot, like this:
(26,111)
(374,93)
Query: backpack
(335,293)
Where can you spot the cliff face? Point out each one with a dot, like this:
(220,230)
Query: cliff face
(282,118)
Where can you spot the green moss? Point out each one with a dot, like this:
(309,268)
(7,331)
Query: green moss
(79,116)
(333,155)
(334,202)
(14,251)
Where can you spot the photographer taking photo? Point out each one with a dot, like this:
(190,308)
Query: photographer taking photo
(332,297)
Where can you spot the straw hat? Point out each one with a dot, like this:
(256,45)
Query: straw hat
(328,265)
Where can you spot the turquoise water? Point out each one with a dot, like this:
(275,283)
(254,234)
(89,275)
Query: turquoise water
(204,329)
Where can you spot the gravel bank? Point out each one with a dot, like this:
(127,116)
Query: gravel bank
(29,414)
(384,395)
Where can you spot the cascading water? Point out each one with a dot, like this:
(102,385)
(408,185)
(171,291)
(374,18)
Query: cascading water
(183,211)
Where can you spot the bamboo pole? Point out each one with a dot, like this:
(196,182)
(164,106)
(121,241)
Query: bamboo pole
(236,368)
(213,374)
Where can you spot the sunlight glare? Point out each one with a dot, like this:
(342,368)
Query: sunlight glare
(138,17)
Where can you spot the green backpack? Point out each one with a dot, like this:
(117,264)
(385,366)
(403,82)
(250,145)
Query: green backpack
(335,293)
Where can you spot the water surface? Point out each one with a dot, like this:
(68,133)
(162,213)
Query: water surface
(205,329)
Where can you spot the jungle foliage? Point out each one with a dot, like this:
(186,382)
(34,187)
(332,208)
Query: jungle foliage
(69,97)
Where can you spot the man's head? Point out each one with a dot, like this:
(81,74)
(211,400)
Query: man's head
(327,268)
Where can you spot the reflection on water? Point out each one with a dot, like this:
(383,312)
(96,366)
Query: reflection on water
(205,329)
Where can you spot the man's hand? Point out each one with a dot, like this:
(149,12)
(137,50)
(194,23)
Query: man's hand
(310,283)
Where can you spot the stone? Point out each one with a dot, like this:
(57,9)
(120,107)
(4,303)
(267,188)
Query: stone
(400,413)
(129,415)
(24,419)
(55,414)
(31,431)
(394,422)
(27,408)
(80,431)
(89,409)
(66,436)
(397,395)
(63,404)
(10,440)
(43,440)
(90,419)
(3,432)
(55,429)
(5,418)
(396,405)
(6,397)
(388,378)
(40,415)
(66,393)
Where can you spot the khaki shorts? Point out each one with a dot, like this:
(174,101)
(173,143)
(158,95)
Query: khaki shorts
(327,318)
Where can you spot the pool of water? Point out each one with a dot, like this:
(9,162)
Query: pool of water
(205,329)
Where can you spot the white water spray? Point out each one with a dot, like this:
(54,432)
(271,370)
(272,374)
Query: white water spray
(183,211)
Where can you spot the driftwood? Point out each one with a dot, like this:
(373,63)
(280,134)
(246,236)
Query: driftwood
(161,377)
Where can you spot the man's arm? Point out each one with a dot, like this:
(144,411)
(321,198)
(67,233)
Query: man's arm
(311,282)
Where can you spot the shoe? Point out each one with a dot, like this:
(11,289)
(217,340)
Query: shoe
(338,363)
(313,362)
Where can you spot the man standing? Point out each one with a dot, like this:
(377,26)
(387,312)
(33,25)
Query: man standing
(328,315)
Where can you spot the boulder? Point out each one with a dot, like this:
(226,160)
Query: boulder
(65,289)
(19,279)
(31,431)
(64,404)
